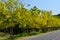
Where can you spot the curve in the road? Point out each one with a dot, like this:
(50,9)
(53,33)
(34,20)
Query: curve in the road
(49,36)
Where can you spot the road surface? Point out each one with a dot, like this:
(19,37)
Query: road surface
(47,36)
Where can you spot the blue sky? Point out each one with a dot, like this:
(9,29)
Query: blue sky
(53,5)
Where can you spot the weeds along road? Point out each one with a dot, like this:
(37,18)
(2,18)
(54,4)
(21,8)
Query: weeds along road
(55,35)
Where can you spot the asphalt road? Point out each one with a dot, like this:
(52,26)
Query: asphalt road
(47,36)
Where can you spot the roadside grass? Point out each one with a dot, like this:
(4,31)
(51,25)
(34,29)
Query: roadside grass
(31,36)
(23,36)
(4,36)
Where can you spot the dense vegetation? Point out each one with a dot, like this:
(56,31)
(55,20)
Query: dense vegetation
(14,18)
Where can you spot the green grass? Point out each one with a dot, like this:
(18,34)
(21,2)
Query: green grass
(28,34)
(4,36)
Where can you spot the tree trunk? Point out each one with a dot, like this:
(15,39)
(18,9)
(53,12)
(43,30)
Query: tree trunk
(11,34)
